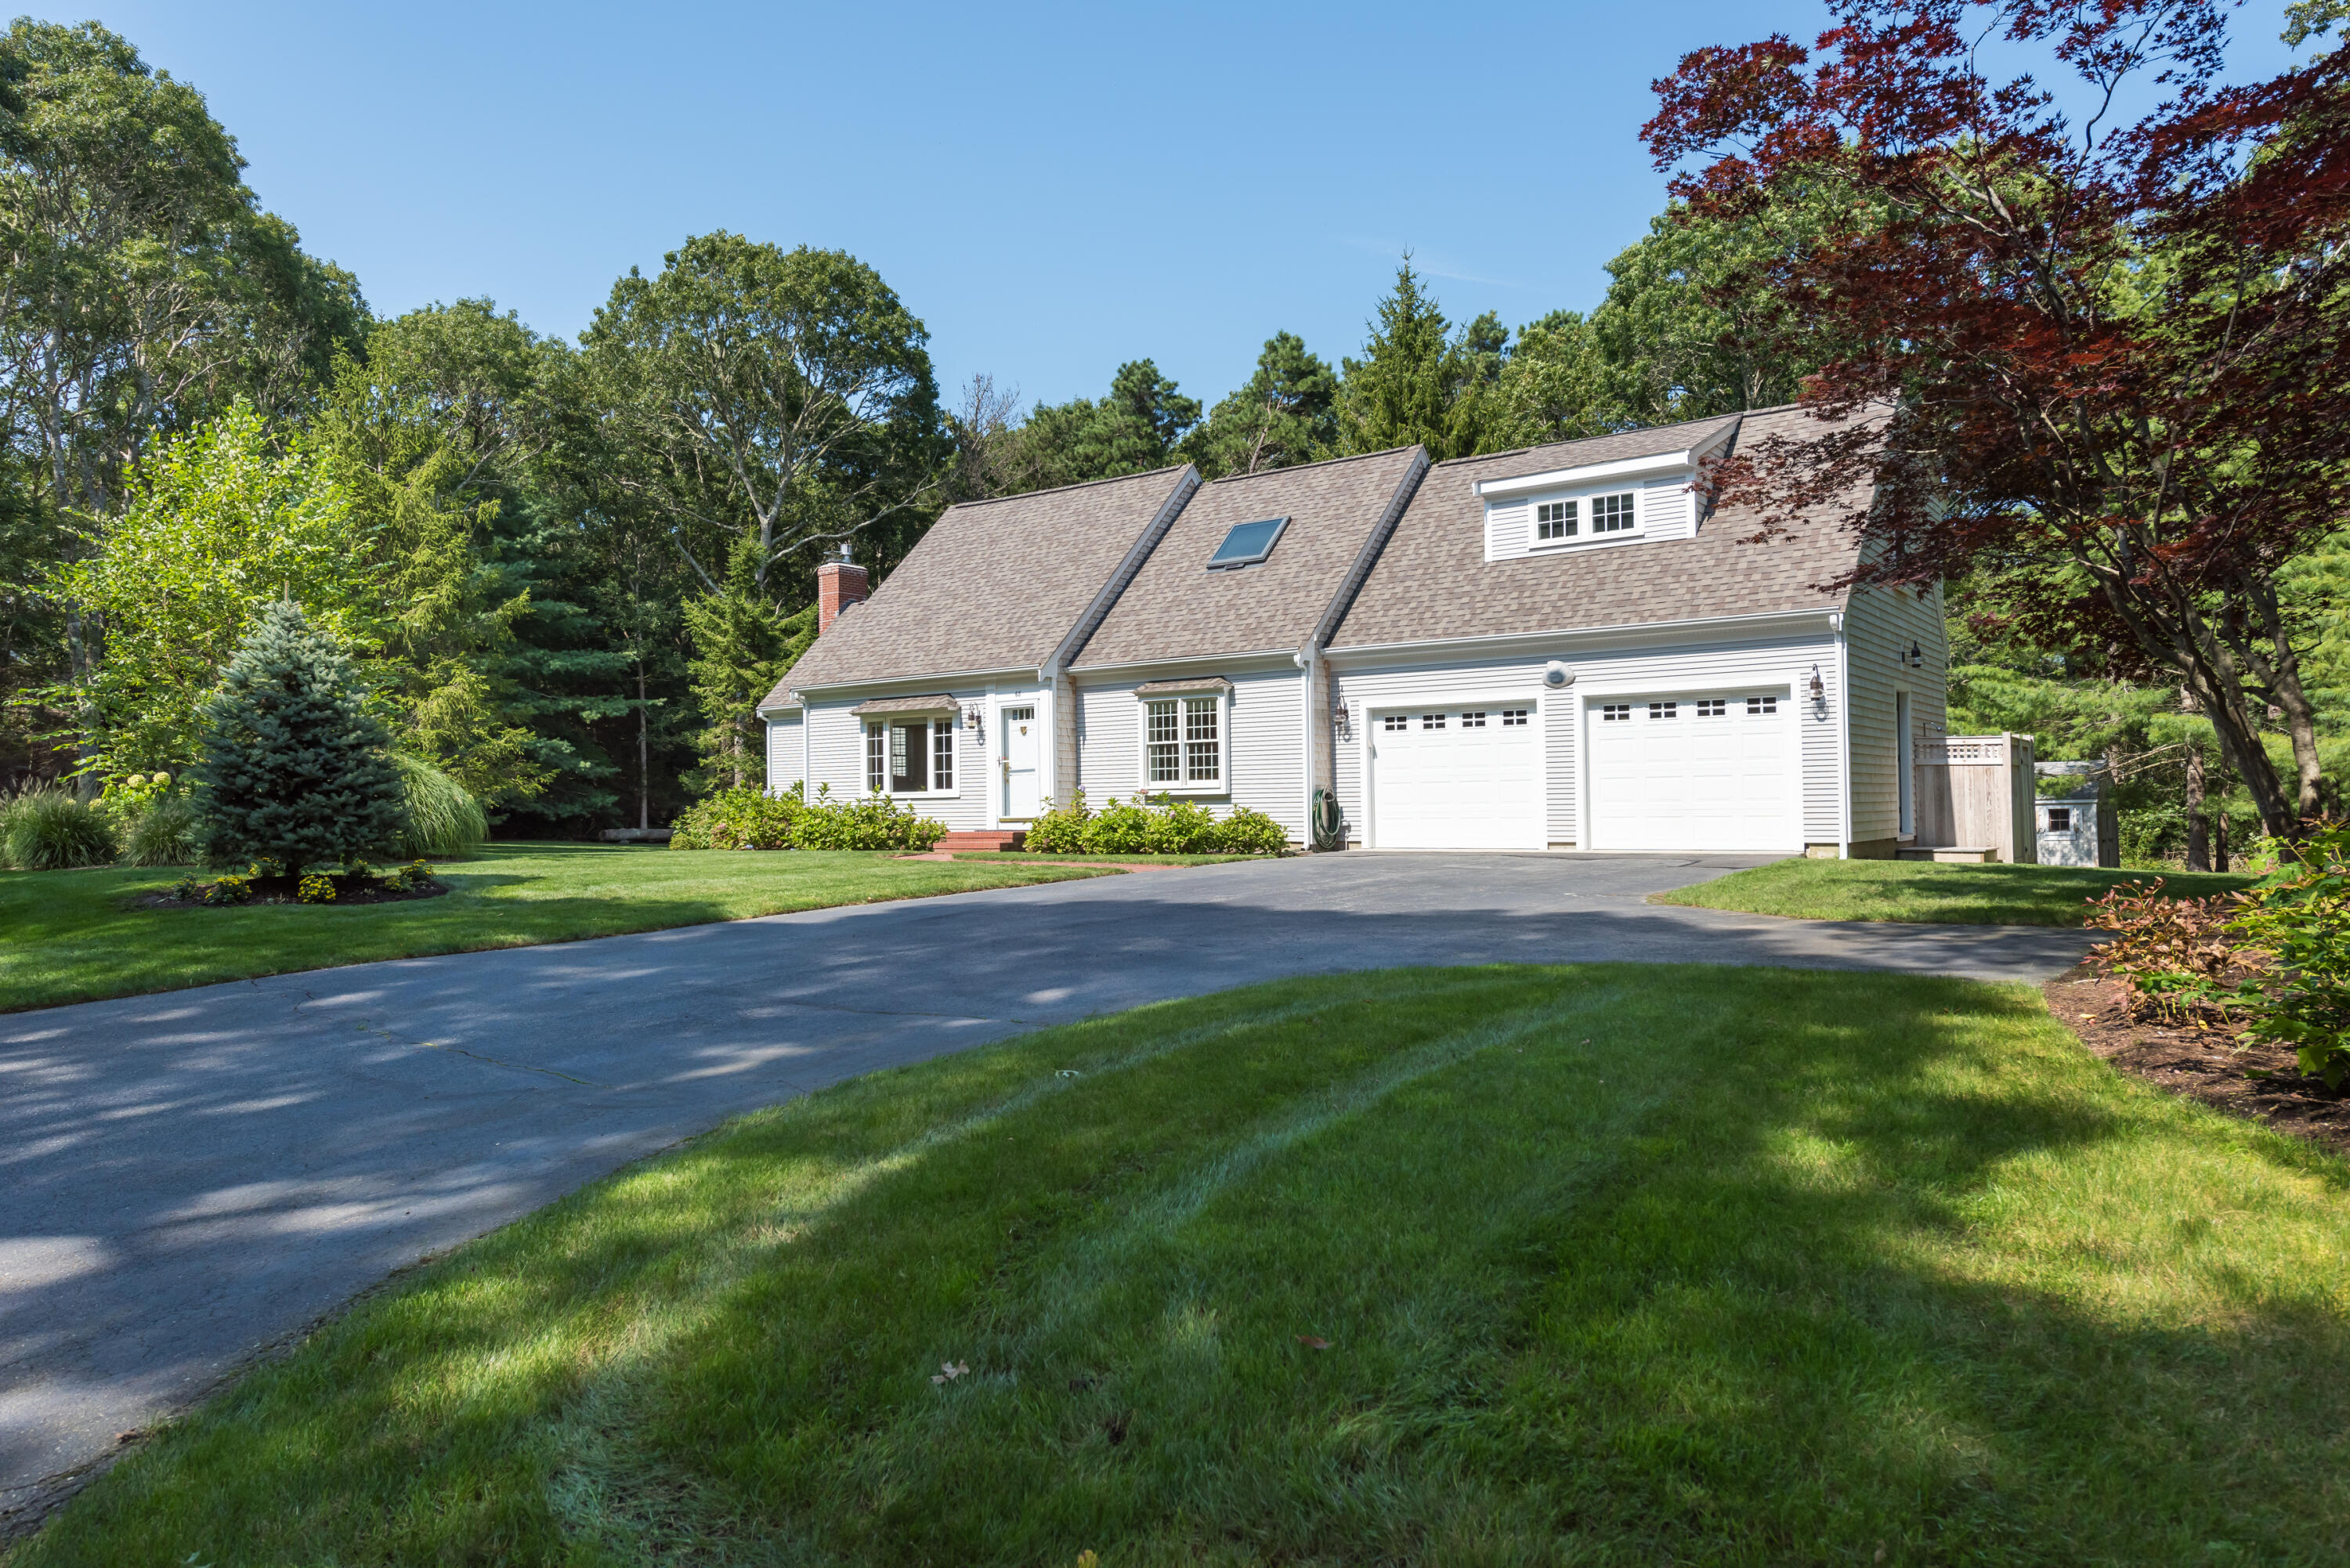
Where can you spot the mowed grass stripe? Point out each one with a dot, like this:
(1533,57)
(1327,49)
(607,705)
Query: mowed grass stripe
(1615,1265)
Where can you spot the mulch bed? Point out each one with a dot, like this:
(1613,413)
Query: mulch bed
(280,890)
(2209,1065)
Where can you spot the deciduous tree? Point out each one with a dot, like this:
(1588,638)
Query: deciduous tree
(2110,359)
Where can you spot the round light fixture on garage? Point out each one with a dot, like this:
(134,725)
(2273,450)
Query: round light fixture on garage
(1557,674)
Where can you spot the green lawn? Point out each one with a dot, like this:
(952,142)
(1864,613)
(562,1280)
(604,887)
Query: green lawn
(1082,858)
(1926,891)
(72,936)
(1617,1264)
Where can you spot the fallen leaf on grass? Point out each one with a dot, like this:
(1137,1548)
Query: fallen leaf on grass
(1313,1341)
(949,1371)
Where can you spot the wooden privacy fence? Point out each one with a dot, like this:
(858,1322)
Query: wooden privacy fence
(1976,792)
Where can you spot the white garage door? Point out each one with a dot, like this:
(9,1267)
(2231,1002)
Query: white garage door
(1714,772)
(1455,777)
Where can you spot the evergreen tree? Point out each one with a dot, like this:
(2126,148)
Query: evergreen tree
(1420,382)
(294,767)
(1286,413)
(1136,429)
(743,647)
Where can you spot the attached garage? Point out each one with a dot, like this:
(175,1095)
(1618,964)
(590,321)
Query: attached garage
(1456,775)
(1714,772)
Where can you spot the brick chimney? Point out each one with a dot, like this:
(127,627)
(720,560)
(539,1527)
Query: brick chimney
(838,585)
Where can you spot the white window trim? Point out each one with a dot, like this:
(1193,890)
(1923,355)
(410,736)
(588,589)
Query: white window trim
(1584,538)
(1142,701)
(962,763)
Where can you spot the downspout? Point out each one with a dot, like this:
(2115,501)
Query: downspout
(1308,660)
(807,753)
(1844,737)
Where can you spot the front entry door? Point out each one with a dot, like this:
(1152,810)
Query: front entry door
(1019,752)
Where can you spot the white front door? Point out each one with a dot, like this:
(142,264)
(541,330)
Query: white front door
(1019,752)
(1454,776)
(1714,772)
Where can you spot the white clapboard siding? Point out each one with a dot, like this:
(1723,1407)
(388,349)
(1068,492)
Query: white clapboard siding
(783,752)
(1880,628)
(1667,511)
(837,758)
(1264,757)
(1268,758)
(1108,767)
(1784,663)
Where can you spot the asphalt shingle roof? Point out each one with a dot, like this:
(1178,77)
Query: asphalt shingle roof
(994,585)
(1176,607)
(1433,581)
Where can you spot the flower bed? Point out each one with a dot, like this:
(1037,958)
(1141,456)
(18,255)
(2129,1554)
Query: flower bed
(268,883)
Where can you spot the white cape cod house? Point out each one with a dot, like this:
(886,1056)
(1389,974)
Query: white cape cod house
(1559,649)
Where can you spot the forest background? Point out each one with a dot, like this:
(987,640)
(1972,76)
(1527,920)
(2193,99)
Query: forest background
(572,568)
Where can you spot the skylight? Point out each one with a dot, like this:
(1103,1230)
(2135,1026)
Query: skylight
(1247,544)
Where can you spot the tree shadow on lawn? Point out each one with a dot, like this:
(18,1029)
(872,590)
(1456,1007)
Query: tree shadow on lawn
(1779,1266)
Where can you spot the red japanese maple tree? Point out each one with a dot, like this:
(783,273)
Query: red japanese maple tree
(2112,361)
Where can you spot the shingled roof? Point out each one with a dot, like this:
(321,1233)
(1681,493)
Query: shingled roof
(1433,582)
(994,585)
(1177,608)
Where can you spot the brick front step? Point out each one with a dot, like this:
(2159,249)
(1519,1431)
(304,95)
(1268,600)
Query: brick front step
(1005,838)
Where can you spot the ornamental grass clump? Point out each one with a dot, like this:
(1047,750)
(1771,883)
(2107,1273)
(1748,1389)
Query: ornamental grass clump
(443,817)
(47,828)
(294,767)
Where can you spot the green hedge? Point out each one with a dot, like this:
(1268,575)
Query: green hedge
(1161,827)
(754,819)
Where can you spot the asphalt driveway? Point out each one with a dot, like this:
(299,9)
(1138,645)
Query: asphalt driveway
(193,1175)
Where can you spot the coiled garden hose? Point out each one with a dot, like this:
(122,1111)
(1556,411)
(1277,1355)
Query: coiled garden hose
(1325,821)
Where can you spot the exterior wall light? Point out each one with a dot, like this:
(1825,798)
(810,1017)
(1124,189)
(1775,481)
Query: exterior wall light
(1556,674)
(1917,655)
(1819,687)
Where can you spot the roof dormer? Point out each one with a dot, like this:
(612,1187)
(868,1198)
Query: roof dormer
(1626,500)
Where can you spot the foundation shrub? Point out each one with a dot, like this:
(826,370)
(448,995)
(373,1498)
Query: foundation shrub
(740,819)
(876,822)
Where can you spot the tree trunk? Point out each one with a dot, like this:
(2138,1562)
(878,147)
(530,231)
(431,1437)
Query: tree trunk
(2220,845)
(2198,826)
(644,754)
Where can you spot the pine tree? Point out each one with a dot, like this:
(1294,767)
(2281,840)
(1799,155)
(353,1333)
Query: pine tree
(296,770)
(742,645)
(1420,381)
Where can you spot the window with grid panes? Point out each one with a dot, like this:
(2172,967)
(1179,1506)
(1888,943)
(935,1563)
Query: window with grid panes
(942,754)
(1513,717)
(1616,713)
(1474,719)
(1395,721)
(1203,742)
(877,778)
(1762,705)
(1161,746)
(1431,721)
(1712,708)
(1664,709)
(1611,513)
(1554,520)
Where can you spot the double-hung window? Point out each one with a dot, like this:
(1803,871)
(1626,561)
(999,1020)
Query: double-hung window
(1613,514)
(1183,740)
(909,756)
(1554,520)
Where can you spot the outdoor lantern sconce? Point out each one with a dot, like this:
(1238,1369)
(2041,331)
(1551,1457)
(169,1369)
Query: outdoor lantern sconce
(1917,655)
(1819,687)
(1346,722)
(970,717)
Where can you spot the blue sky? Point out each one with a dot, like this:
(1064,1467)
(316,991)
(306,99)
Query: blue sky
(1052,189)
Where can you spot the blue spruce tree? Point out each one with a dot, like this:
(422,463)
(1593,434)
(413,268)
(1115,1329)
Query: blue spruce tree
(296,770)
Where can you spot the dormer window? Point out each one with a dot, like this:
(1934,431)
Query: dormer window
(1613,514)
(1554,520)
(1247,544)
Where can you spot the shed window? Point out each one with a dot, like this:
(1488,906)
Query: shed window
(2060,819)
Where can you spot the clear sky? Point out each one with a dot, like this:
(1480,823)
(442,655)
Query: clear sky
(1053,190)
